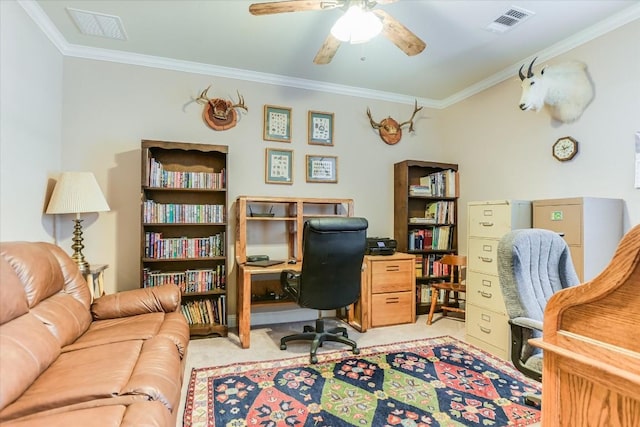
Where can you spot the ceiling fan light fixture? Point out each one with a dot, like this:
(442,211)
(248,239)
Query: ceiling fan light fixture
(356,26)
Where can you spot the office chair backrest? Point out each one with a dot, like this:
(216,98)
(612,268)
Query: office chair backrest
(533,264)
(333,250)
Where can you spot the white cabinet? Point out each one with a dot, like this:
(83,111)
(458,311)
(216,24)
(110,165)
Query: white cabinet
(591,226)
(487,324)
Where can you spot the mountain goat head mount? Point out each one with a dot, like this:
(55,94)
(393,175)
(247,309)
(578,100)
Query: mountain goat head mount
(220,114)
(390,130)
(565,88)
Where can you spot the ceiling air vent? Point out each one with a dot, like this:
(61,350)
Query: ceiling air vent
(98,24)
(509,19)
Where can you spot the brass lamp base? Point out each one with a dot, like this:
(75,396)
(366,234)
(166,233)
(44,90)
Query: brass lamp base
(77,247)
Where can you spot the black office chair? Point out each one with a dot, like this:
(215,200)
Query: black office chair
(333,250)
(533,264)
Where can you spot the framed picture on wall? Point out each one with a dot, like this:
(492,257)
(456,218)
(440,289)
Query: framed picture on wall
(322,168)
(320,128)
(278,168)
(277,123)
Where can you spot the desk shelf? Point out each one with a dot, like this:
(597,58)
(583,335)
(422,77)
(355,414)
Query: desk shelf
(281,232)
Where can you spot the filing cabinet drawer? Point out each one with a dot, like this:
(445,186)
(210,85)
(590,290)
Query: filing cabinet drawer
(483,290)
(489,220)
(565,219)
(391,308)
(483,256)
(392,276)
(488,326)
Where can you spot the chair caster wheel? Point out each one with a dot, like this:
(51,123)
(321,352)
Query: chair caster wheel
(356,351)
(314,359)
(283,346)
(307,328)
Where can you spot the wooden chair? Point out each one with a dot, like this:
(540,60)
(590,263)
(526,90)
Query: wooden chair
(456,263)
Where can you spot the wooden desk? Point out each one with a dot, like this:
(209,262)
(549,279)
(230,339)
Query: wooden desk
(243,285)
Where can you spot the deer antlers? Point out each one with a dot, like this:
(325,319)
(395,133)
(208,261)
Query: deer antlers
(389,129)
(415,110)
(220,114)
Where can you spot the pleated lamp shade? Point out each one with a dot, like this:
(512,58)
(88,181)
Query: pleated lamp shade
(77,192)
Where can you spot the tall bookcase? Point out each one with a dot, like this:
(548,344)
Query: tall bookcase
(425,219)
(184,228)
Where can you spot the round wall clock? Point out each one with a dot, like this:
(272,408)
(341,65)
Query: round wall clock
(565,148)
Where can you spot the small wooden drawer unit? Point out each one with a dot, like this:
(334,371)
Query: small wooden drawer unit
(387,294)
(486,317)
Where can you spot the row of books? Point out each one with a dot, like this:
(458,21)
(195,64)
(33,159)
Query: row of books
(155,246)
(172,213)
(205,311)
(440,212)
(438,237)
(201,280)
(430,266)
(438,184)
(161,178)
(423,293)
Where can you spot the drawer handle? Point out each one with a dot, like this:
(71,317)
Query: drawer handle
(485,330)
(486,223)
(393,300)
(485,259)
(485,294)
(393,268)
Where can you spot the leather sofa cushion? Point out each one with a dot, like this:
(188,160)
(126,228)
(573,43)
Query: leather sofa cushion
(140,414)
(13,300)
(141,327)
(123,372)
(137,301)
(27,348)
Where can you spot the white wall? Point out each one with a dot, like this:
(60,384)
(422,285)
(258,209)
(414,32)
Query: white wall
(505,153)
(30,125)
(110,107)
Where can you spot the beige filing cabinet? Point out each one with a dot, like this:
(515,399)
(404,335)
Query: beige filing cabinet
(591,226)
(387,293)
(486,317)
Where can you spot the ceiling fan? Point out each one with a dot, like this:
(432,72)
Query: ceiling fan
(392,29)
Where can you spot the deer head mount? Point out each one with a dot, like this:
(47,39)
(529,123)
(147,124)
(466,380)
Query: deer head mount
(220,114)
(389,129)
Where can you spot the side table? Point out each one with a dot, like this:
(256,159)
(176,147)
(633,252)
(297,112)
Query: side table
(95,280)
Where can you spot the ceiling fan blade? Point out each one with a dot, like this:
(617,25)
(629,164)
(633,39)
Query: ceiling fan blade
(293,6)
(400,35)
(327,50)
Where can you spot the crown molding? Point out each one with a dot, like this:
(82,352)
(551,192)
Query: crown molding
(36,13)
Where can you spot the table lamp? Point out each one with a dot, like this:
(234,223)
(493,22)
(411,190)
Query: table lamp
(77,192)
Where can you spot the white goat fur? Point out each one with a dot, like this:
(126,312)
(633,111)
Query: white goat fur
(565,88)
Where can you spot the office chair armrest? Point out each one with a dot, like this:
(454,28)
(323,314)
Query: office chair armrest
(526,322)
(290,281)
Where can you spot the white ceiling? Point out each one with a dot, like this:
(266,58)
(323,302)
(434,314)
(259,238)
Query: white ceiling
(222,38)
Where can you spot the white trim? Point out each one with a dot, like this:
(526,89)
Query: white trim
(42,20)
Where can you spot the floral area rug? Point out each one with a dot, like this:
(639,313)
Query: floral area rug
(424,383)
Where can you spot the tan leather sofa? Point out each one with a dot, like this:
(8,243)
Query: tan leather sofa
(67,362)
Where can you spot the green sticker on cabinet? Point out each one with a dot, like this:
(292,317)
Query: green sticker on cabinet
(556,216)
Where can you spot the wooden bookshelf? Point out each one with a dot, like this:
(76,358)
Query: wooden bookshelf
(411,220)
(184,228)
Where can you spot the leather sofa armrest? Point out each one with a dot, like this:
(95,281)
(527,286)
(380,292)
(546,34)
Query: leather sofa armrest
(165,298)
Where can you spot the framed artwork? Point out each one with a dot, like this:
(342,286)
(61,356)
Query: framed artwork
(320,130)
(278,168)
(277,123)
(322,168)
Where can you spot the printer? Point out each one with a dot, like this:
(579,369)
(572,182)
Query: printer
(381,246)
